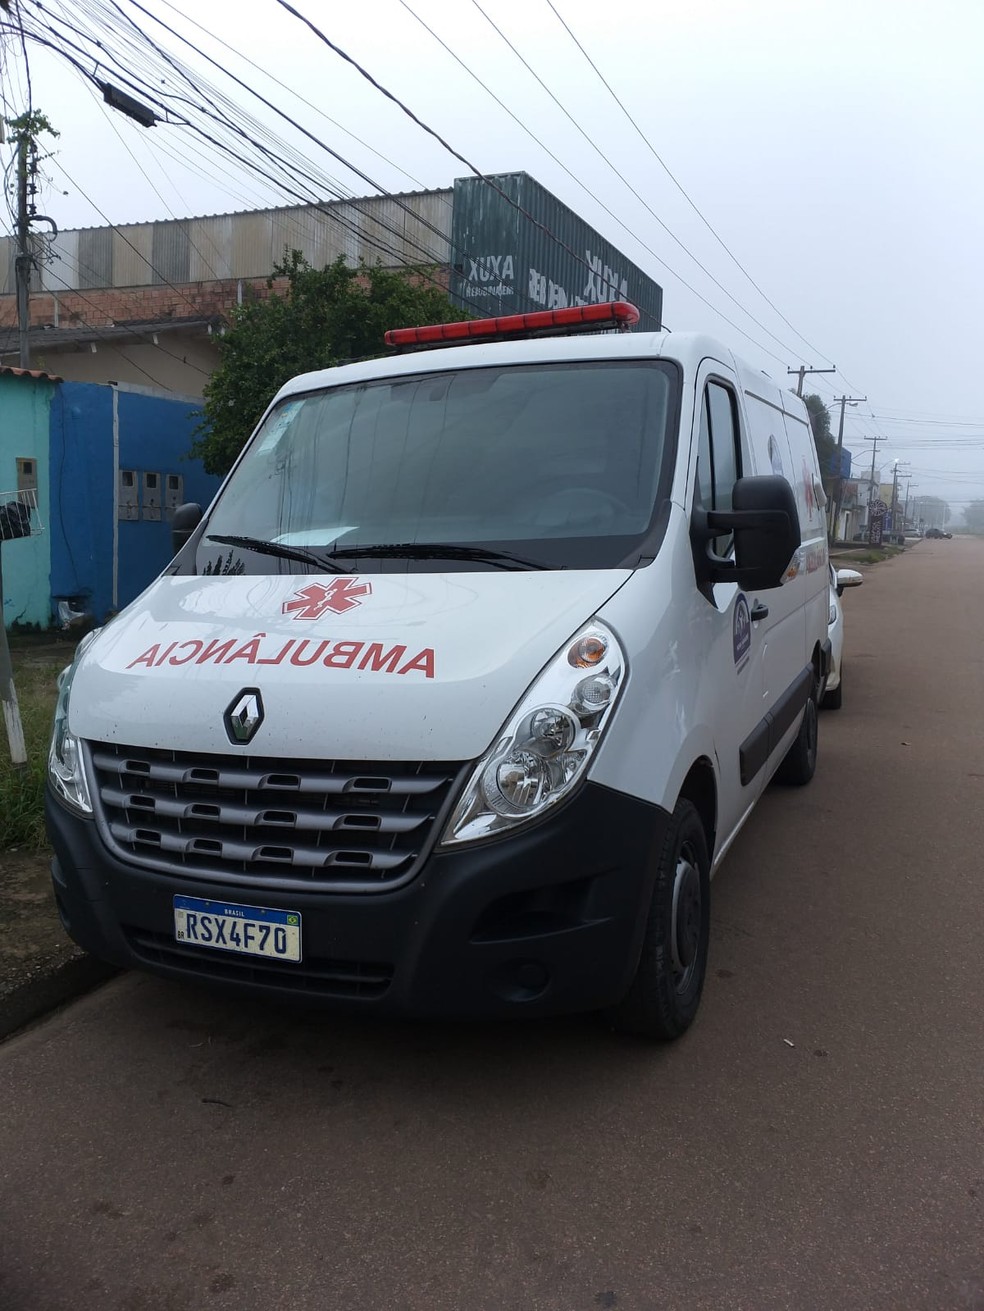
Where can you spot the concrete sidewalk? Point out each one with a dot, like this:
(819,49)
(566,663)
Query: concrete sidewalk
(40,967)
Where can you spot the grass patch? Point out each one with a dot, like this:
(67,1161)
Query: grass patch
(22,790)
(866,555)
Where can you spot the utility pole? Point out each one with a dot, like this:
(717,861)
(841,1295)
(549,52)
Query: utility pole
(24,260)
(802,371)
(24,134)
(26,130)
(844,402)
(875,443)
(895,497)
(905,513)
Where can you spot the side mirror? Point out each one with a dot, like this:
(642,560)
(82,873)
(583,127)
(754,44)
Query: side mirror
(185,520)
(848,578)
(765,523)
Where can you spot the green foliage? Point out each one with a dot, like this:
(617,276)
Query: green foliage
(324,317)
(22,790)
(29,125)
(825,442)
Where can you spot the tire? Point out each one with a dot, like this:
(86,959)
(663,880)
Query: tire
(800,761)
(665,993)
(833,700)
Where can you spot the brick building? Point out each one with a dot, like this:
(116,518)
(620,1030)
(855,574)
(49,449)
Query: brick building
(145,303)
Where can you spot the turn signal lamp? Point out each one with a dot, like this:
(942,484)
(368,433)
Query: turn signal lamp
(576,318)
(587,652)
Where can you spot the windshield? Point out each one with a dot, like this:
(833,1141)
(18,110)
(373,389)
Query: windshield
(558,466)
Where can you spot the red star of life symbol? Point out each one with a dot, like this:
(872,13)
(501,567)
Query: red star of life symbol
(340,595)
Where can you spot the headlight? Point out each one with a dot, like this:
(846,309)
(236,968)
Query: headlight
(66,766)
(832,616)
(544,748)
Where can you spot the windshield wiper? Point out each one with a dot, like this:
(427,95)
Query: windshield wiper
(262,547)
(440,551)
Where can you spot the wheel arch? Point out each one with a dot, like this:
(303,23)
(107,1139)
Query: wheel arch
(700,789)
(821,661)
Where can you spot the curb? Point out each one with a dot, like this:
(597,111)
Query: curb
(51,988)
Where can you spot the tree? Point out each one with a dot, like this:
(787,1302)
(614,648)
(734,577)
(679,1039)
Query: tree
(974,517)
(822,436)
(323,317)
(28,126)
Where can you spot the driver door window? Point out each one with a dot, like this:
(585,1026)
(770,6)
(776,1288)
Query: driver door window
(718,463)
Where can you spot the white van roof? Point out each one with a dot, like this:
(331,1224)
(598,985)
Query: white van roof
(687,348)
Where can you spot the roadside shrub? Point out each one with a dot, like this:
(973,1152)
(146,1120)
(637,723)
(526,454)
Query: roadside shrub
(22,790)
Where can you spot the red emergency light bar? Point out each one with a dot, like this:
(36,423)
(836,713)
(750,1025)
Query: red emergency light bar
(613,314)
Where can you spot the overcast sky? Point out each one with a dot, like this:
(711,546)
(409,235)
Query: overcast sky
(837,148)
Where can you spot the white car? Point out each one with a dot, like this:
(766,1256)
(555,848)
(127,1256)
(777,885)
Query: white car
(839,579)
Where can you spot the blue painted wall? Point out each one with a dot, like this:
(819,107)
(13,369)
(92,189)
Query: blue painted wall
(25,404)
(155,434)
(82,494)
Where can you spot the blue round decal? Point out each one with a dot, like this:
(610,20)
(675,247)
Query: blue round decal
(741,630)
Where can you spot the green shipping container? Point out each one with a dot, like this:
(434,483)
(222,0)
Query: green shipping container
(516,248)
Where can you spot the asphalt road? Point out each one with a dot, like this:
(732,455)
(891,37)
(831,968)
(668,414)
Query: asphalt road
(815,1141)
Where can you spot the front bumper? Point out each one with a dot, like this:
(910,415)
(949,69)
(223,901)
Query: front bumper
(545,921)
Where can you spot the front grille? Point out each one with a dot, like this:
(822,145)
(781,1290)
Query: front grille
(298,825)
(316,977)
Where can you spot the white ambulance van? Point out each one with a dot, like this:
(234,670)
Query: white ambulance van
(454,699)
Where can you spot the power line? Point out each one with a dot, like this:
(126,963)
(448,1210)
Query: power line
(81,268)
(431,132)
(122,235)
(269,104)
(141,87)
(669,232)
(102,336)
(305,199)
(679,186)
(931,423)
(182,225)
(405,240)
(559,162)
(154,92)
(402,237)
(284,86)
(27,62)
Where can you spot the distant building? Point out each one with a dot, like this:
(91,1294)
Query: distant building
(145,303)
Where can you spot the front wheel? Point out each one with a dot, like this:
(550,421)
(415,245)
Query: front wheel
(665,993)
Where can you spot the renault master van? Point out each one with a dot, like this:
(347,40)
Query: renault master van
(455,698)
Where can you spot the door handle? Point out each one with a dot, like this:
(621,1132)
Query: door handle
(760,611)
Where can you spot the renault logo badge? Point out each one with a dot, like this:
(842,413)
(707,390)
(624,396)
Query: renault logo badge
(244,716)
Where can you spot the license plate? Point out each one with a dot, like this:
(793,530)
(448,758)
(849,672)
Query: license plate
(247,930)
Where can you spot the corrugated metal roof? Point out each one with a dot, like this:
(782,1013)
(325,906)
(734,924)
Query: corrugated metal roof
(412,228)
(9,371)
(442,193)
